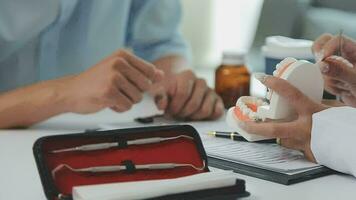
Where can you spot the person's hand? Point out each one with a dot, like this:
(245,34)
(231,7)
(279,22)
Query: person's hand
(327,45)
(294,134)
(339,71)
(340,78)
(184,96)
(117,82)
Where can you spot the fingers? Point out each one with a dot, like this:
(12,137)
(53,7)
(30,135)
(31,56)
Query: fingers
(348,99)
(129,84)
(338,68)
(190,98)
(158,92)
(335,86)
(296,98)
(158,77)
(162,101)
(146,68)
(118,101)
(132,74)
(193,104)
(334,90)
(120,95)
(180,91)
(218,110)
(128,89)
(207,107)
(330,47)
(341,85)
(327,45)
(118,82)
(130,80)
(318,45)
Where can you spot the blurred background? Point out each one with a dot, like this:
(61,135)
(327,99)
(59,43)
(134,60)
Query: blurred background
(212,26)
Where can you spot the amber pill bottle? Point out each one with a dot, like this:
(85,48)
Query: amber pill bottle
(232,78)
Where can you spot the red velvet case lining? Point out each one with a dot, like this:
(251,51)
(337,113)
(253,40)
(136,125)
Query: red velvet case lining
(181,150)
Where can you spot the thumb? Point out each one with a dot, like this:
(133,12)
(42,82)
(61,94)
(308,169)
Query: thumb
(293,95)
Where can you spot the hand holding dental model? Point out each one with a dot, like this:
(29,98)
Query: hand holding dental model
(339,72)
(302,75)
(295,133)
(325,134)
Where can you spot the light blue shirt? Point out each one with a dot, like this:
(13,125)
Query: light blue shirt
(45,39)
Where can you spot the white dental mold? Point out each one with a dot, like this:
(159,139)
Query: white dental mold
(302,74)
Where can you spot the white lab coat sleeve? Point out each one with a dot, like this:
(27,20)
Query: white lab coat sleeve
(333,139)
(21,20)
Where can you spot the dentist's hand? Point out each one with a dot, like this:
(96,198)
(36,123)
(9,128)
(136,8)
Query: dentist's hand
(117,82)
(294,134)
(340,78)
(339,72)
(184,96)
(327,45)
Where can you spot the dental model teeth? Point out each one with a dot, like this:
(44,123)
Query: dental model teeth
(253,116)
(246,108)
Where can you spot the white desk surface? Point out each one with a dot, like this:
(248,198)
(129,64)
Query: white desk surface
(19,179)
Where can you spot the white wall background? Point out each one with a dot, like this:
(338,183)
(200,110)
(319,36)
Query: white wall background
(212,26)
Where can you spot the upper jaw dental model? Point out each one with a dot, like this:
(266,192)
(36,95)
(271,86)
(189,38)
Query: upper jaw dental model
(300,73)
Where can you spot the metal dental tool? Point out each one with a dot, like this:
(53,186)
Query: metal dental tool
(339,53)
(101,146)
(118,168)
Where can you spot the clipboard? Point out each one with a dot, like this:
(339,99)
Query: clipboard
(269,175)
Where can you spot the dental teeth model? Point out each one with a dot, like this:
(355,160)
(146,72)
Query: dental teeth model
(302,74)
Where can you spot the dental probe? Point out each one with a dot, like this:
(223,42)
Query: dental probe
(339,53)
(117,168)
(101,146)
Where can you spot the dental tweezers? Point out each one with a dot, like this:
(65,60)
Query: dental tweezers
(101,146)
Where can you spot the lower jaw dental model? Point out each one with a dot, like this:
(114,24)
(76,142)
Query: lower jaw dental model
(300,73)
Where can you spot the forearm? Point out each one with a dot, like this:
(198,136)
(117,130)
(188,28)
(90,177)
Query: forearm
(171,64)
(28,105)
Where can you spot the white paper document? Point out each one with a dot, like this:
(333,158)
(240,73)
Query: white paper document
(262,155)
(155,188)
